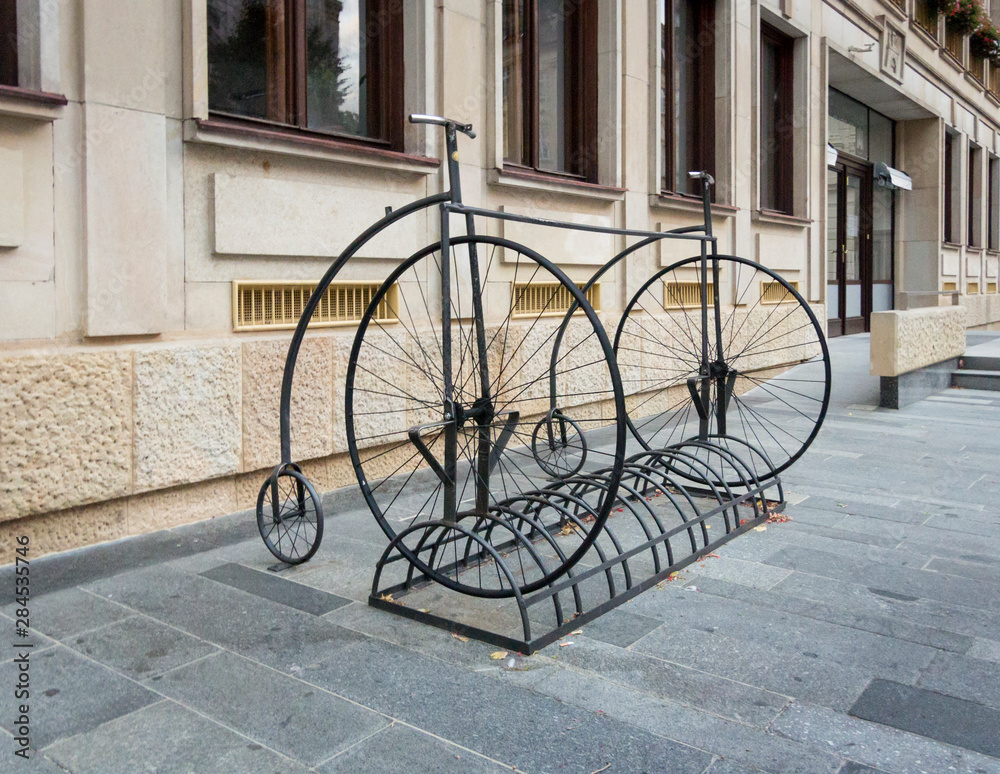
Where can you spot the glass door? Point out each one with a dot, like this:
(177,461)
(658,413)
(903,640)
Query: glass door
(849,244)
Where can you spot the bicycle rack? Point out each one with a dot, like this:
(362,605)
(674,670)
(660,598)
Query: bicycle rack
(565,523)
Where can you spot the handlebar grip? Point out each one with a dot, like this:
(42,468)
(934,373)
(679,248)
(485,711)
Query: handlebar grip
(420,118)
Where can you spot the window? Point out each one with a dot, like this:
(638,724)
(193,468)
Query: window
(688,92)
(992,203)
(8,43)
(950,227)
(925,16)
(974,200)
(776,120)
(550,86)
(327,66)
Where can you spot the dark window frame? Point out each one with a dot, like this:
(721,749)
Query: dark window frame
(384,67)
(704,118)
(992,212)
(949,184)
(581,93)
(8,43)
(971,237)
(784,156)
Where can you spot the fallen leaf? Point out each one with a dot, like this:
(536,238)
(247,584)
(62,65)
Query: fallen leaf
(760,528)
(564,644)
(459,637)
(423,610)
(578,631)
(498,655)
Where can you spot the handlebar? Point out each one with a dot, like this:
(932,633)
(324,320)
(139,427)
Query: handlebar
(466,129)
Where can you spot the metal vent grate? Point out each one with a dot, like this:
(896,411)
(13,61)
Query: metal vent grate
(949,286)
(686,295)
(991,287)
(775,293)
(278,305)
(972,288)
(536,299)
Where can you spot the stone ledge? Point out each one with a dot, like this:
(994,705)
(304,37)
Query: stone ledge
(904,341)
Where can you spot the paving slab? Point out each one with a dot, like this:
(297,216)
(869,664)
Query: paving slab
(508,724)
(620,627)
(167,739)
(294,718)
(276,588)
(71,695)
(266,631)
(974,679)
(65,613)
(140,647)
(727,698)
(878,745)
(400,749)
(737,742)
(928,713)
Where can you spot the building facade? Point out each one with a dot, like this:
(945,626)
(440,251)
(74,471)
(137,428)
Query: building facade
(175,173)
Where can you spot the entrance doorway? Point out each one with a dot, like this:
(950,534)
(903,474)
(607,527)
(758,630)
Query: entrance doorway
(849,247)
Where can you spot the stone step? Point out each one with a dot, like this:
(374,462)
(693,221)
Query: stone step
(971,379)
(979,363)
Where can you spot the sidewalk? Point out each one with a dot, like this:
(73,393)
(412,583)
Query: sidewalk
(178,652)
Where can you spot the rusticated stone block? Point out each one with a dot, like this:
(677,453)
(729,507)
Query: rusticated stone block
(67,529)
(183,505)
(65,424)
(311,409)
(188,416)
(903,341)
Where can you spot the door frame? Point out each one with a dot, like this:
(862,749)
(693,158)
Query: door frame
(843,325)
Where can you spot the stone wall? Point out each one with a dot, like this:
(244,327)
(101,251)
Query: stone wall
(905,341)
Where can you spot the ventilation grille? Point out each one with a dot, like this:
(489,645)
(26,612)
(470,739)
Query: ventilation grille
(261,306)
(774,292)
(991,287)
(686,295)
(544,299)
(973,287)
(949,286)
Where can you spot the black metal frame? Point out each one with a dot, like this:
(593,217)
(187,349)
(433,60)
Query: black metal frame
(700,479)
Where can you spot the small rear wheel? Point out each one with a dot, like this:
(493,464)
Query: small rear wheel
(558,445)
(289,516)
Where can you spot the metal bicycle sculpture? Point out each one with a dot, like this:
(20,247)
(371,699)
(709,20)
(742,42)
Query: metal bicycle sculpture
(486,417)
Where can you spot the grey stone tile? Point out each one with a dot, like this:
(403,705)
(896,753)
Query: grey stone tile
(759,576)
(850,767)
(8,629)
(222,530)
(516,726)
(902,511)
(167,739)
(140,647)
(866,599)
(759,664)
(276,588)
(400,749)
(987,650)
(36,762)
(70,695)
(412,635)
(945,718)
(346,569)
(718,695)
(265,631)
(731,766)
(285,714)
(86,565)
(967,678)
(877,745)
(902,580)
(840,609)
(737,742)
(620,627)
(989,572)
(65,613)
(845,646)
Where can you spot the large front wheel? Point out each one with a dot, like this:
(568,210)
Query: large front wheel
(441,421)
(758,373)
